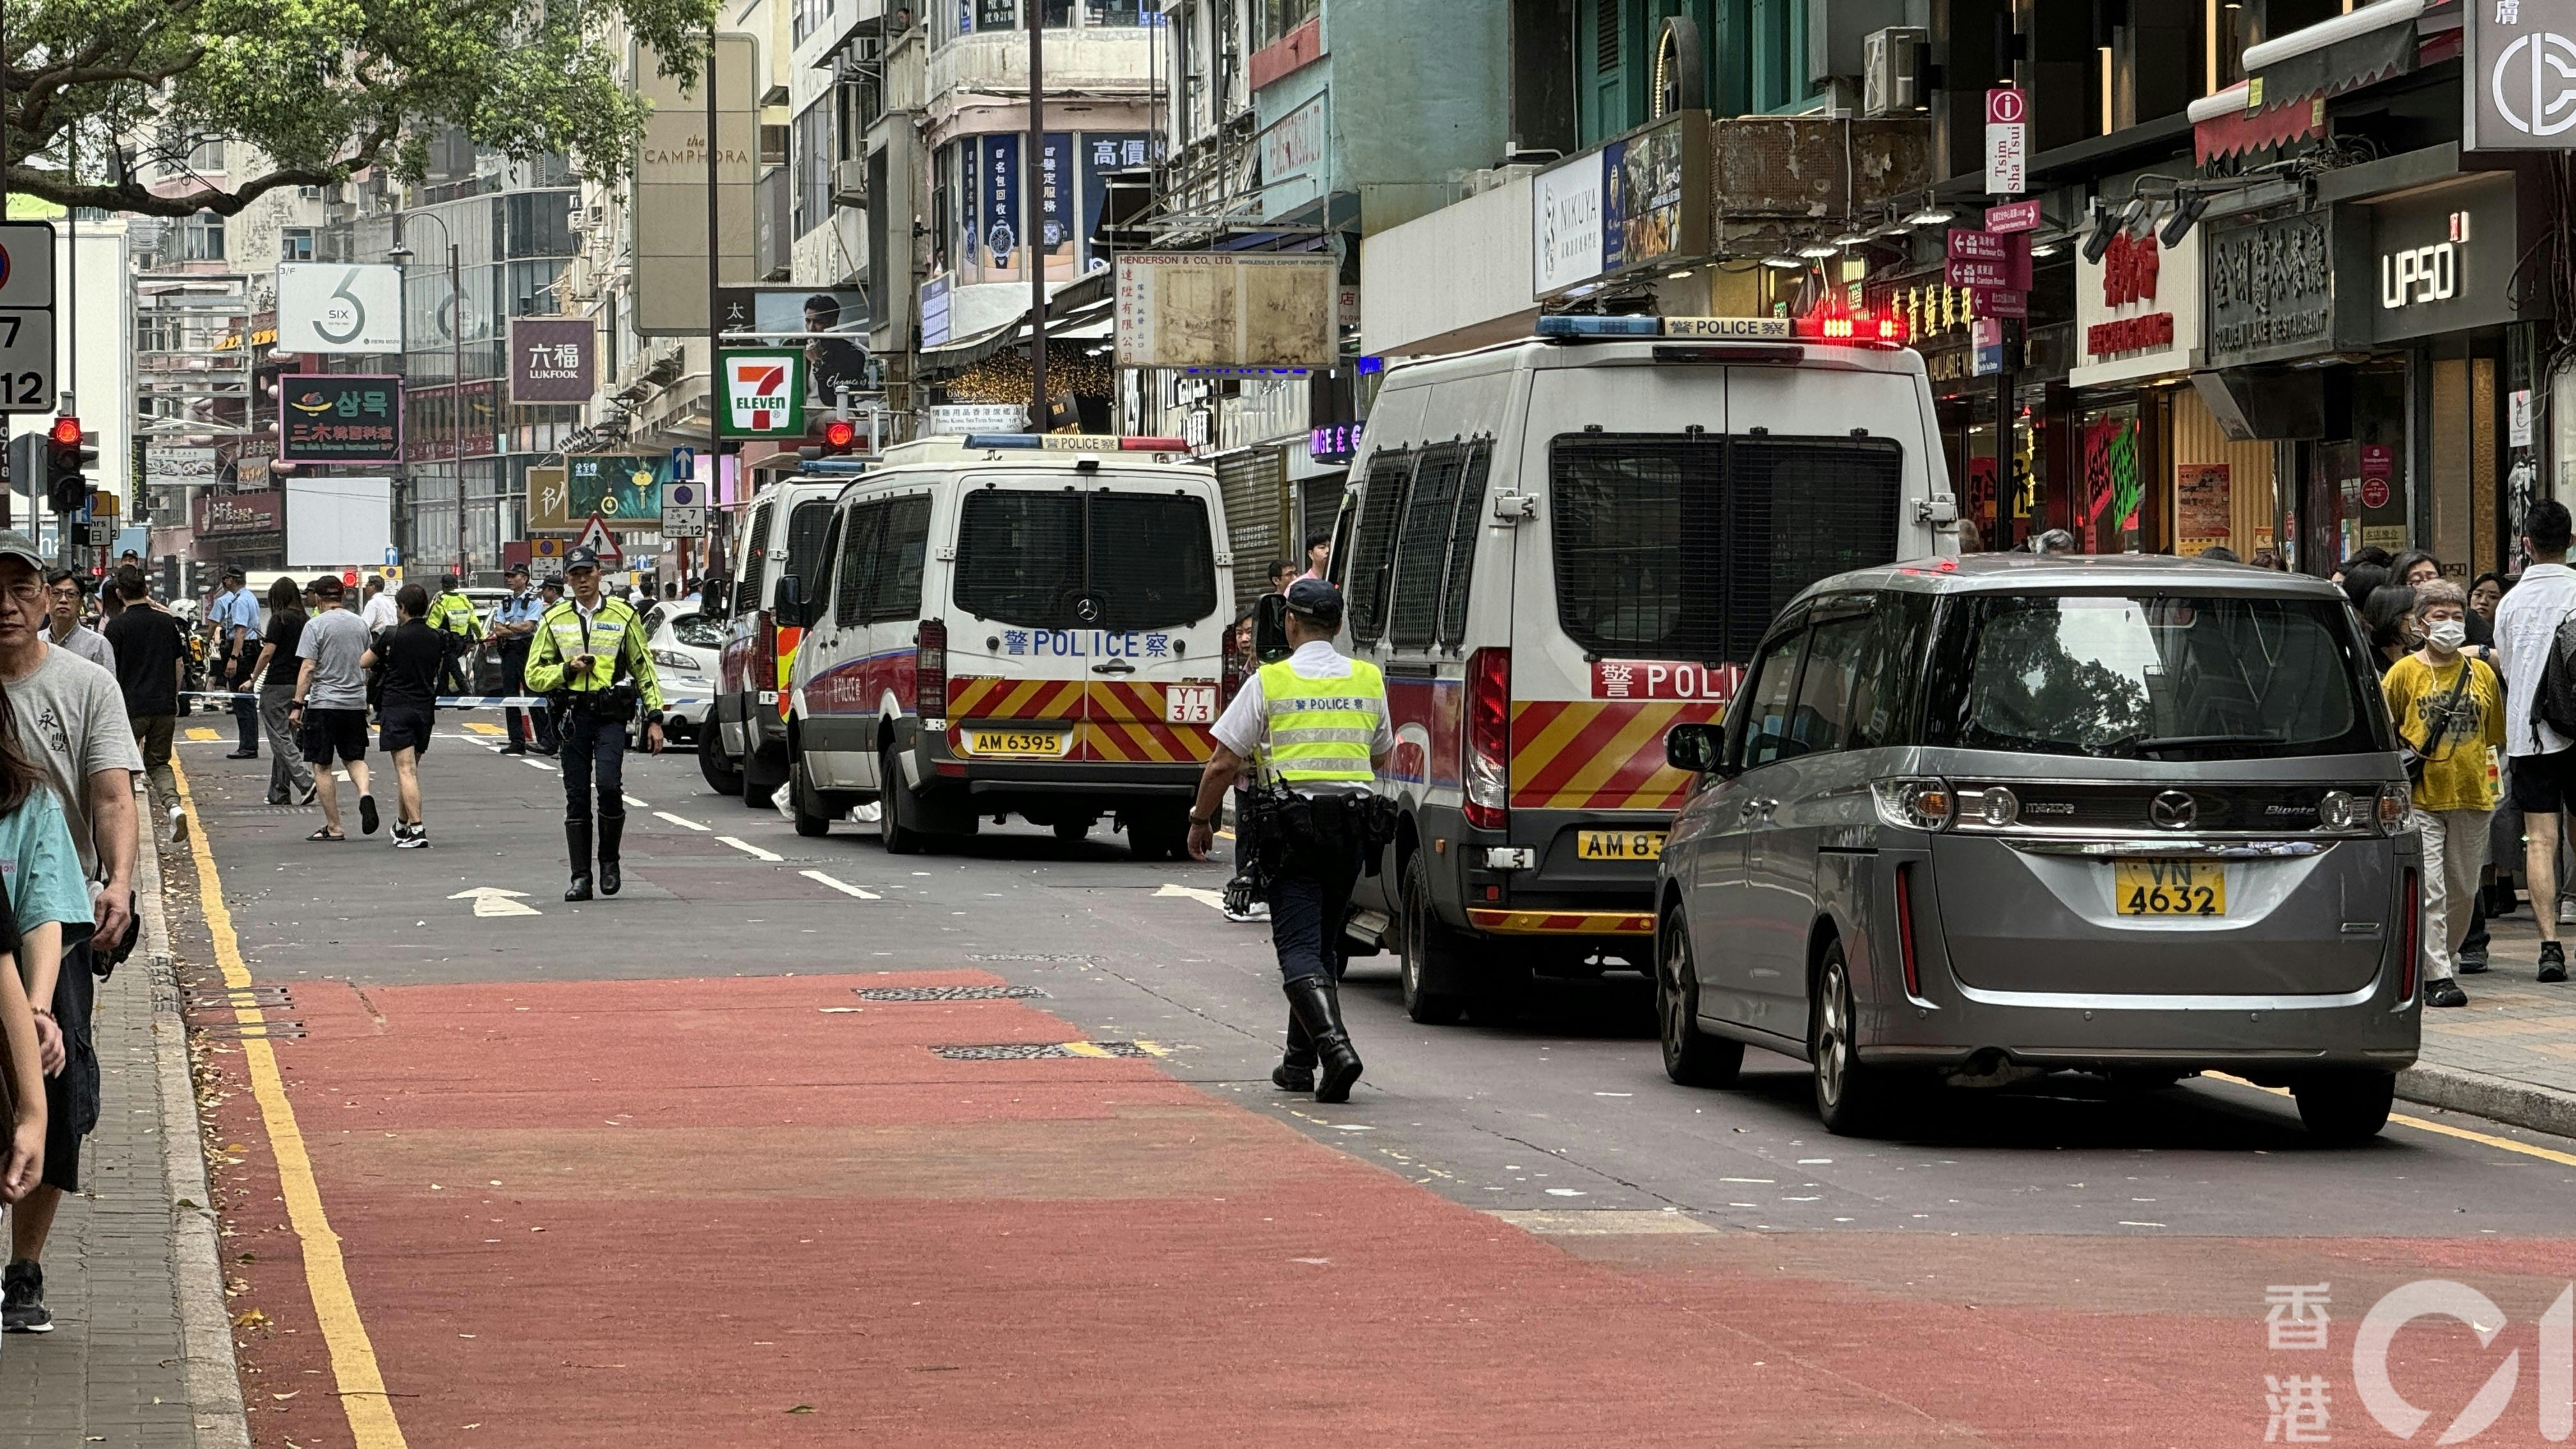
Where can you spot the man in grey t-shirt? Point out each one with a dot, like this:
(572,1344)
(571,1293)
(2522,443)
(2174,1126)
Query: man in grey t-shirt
(329,714)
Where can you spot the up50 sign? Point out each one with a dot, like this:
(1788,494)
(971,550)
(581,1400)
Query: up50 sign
(763,395)
(2426,273)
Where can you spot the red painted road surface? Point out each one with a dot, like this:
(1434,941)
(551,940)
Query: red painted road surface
(740,1212)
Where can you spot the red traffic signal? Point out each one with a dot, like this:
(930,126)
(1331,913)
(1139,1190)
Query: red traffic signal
(840,433)
(67,431)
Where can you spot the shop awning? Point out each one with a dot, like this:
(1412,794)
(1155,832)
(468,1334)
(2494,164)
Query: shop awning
(2221,125)
(2289,78)
(1081,310)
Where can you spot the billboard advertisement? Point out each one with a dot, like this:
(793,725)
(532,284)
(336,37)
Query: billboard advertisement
(553,360)
(1227,309)
(339,307)
(339,417)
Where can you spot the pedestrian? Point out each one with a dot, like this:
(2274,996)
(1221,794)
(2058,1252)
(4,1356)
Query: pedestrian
(53,1091)
(513,629)
(2055,540)
(65,595)
(68,719)
(151,670)
(2541,759)
(379,610)
(411,658)
(2219,553)
(2449,708)
(1314,728)
(1319,552)
(233,618)
(592,659)
(2389,615)
(2485,594)
(328,710)
(452,614)
(290,778)
(1242,902)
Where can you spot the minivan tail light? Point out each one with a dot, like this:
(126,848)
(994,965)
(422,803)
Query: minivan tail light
(1916,802)
(930,669)
(2412,935)
(1905,928)
(1488,765)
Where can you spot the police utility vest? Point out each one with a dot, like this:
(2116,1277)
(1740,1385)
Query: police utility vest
(1321,729)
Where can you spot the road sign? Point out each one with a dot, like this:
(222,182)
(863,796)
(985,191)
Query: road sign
(1992,302)
(393,555)
(596,537)
(2014,216)
(685,522)
(2007,141)
(548,548)
(26,317)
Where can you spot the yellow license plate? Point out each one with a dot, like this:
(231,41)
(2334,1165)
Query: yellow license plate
(2169,887)
(1619,844)
(1039,744)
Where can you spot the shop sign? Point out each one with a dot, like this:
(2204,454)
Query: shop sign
(2519,76)
(2445,260)
(1334,442)
(230,515)
(2203,510)
(552,359)
(1294,143)
(2272,293)
(1636,202)
(340,417)
(2137,310)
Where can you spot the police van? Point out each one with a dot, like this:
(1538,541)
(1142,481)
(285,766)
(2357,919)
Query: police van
(781,537)
(1013,624)
(1556,549)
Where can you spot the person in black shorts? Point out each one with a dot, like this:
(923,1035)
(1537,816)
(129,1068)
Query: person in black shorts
(409,659)
(329,710)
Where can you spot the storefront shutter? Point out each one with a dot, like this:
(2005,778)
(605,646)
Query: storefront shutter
(1257,516)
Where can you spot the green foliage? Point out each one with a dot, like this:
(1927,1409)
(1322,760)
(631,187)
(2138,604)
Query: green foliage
(318,88)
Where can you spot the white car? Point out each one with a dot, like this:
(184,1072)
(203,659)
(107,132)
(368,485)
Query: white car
(686,646)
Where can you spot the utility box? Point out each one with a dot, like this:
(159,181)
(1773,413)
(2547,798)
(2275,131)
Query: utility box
(1892,65)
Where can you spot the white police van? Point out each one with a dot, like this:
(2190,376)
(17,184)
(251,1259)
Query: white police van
(1558,548)
(781,537)
(1014,624)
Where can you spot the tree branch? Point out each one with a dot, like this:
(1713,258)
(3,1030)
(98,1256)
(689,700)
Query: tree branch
(132,196)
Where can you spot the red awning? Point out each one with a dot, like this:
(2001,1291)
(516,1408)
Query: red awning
(2230,132)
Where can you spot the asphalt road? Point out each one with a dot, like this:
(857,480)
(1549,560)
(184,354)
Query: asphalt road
(2178,1207)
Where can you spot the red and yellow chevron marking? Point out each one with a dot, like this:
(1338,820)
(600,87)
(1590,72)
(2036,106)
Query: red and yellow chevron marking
(984,698)
(1127,727)
(788,641)
(1582,754)
(1563,923)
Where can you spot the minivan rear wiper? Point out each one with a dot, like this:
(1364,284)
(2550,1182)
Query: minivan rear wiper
(2140,744)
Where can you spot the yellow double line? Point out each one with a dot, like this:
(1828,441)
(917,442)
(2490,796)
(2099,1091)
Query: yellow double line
(326,1275)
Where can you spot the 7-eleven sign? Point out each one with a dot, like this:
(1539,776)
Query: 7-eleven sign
(764,393)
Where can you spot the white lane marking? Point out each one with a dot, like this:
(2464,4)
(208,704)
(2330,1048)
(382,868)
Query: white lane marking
(676,820)
(747,848)
(639,804)
(844,887)
(536,764)
(494,901)
(1214,900)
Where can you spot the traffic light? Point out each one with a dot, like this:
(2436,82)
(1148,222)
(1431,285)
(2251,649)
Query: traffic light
(831,437)
(67,467)
(839,433)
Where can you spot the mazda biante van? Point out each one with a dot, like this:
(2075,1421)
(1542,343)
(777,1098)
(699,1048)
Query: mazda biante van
(1976,819)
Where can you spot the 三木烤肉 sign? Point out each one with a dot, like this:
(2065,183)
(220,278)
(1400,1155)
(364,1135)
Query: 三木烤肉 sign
(339,418)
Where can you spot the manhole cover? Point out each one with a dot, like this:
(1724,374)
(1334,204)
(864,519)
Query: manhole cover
(1031,1051)
(248,1031)
(947,993)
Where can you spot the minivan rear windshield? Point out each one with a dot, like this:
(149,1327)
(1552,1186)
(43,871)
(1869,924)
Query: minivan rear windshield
(1096,559)
(2151,676)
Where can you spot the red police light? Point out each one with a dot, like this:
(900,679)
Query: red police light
(67,431)
(840,433)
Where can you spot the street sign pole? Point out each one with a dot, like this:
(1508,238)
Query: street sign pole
(2007,143)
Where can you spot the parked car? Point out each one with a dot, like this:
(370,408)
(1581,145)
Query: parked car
(1974,820)
(687,650)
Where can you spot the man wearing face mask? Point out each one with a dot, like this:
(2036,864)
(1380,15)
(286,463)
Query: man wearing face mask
(2449,710)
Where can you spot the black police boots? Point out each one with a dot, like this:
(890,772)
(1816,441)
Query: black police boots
(1296,1069)
(612,828)
(577,841)
(1319,1007)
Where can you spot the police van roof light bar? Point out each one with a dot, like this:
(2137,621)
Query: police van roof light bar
(1077,442)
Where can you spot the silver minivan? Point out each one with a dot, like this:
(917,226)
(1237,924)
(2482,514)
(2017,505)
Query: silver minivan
(1974,820)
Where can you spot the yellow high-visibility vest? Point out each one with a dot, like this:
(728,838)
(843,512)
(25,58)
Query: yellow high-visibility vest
(1321,729)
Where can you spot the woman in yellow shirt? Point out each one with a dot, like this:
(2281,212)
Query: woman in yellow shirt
(2449,709)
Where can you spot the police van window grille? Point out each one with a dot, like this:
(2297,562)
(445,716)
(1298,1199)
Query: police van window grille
(1466,526)
(1371,543)
(755,563)
(1422,547)
(1799,510)
(858,544)
(1640,543)
(809,533)
(1019,557)
(1152,565)
(895,592)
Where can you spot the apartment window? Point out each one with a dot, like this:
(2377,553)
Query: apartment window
(809,17)
(206,156)
(201,238)
(1273,19)
(296,244)
(810,152)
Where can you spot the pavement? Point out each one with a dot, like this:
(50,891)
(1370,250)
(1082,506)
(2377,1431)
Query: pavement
(2510,1053)
(798,1142)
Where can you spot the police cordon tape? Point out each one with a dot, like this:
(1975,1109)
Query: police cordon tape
(446,701)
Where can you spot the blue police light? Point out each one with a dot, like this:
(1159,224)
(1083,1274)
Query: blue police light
(1562,326)
(1003,440)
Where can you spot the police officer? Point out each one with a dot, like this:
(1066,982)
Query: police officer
(590,657)
(1314,728)
(453,613)
(513,630)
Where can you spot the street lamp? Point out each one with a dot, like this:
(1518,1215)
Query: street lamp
(401,254)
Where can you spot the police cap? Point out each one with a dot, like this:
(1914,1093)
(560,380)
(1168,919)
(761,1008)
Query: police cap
(1316,600)
(580,556)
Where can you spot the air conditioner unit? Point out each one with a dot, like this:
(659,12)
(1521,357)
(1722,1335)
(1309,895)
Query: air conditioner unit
(849,183)
(1892,62)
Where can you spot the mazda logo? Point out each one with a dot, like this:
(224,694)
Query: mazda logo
(2173,810)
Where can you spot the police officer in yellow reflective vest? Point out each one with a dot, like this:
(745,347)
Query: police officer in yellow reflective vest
(592,663)
(453,613)
(1314,728)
